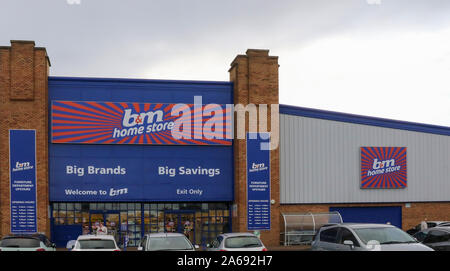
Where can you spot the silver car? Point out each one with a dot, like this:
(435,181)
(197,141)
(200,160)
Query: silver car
(33,242)
(236,242)
(166,242)
(365,237)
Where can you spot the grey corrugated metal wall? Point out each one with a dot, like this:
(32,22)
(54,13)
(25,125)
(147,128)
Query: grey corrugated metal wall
(320,162)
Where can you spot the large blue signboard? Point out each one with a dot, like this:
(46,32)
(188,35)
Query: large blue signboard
(140,173)
(87,165)
(22,157)
(258,181)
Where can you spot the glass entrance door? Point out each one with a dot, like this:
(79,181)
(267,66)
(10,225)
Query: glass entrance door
(181,222)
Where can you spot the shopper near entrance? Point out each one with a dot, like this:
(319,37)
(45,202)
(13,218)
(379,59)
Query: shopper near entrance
(187,229)
(102,230)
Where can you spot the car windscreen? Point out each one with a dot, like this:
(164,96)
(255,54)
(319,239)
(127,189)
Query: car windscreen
(169,243)
(242,242)
(20,242)
(386,235)
(96,244)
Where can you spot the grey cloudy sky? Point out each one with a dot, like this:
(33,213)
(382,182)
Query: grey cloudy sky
(384,58)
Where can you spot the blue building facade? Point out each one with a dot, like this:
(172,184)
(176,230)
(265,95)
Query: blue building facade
(131,186)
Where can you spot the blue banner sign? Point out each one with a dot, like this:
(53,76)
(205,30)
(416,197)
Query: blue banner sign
(258,181)
(140,173)
(22,157)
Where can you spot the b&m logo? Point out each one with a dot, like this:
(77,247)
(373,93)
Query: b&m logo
(380,167)
(258,167)
(21,166)
(383,167)
(93,122)
(130,120)
(140,123)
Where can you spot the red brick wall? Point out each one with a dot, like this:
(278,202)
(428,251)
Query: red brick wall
(255,78)
(23,103)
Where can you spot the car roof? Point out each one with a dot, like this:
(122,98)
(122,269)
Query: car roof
(93,236)
(236,234)
(362,225)
(165,234)
(437,222)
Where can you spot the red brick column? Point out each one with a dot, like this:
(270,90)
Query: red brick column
(255,78)
(24,105)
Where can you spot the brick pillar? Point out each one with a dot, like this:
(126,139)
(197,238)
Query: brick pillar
(255,78)
(24,72)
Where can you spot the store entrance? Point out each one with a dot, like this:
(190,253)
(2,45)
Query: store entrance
(129,221)
(111,220)
(181,222)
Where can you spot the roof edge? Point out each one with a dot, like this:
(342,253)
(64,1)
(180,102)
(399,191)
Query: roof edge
(364,120)
(136,80)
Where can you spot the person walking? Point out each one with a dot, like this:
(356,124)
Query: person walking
(423,225)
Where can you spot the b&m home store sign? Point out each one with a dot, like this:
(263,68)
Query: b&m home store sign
(103,152)
(383,167)
(140,123)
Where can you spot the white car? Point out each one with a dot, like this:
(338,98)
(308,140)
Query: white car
(242,241)
(94,243)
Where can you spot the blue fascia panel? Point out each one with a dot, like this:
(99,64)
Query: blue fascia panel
(134,80)
(139,90)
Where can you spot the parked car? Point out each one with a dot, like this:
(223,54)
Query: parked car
(236,242)
(29,242)
(166,241)
(430,224)
(94,243)
(365,237)
(438,238)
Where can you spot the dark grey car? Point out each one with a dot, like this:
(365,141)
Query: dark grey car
(430,224)
(365,237)
(437,238)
